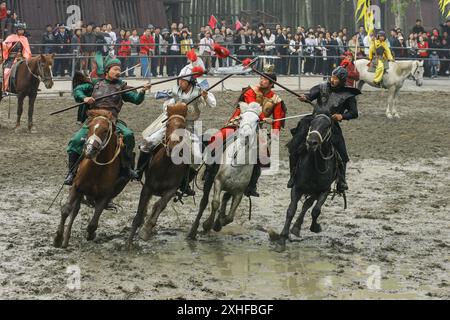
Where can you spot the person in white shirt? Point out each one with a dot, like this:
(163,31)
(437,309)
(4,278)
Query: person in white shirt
(269,41)
(308,52)
(206,49)
(295,50)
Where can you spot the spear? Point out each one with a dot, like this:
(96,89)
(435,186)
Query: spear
(197,72)
(292,117)
(223,53)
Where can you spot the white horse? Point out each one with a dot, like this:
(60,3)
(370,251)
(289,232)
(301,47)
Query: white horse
(235,171)
(393,79)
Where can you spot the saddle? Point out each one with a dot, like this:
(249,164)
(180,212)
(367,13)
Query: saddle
(373,65)
(13,76)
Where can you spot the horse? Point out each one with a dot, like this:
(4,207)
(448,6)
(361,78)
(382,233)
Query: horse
(29,74)
(163,177)
(316,172)
(98,177)
(393,79)
(231,178)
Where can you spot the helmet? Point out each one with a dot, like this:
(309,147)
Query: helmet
(381,33)
(269,72)
(20,26)
(341,73)
(111,63)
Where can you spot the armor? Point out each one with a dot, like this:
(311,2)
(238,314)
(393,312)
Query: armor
(115,102)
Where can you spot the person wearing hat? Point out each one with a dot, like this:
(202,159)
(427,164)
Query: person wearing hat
(273,108)
(15,48)
(88,92)
(379,55)
(48,39)
(62,39)
(186,90)
(338,101)
(347,63)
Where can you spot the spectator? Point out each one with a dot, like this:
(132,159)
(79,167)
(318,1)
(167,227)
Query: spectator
(411,45)
(147,44)
(173,62)
(218,38)
(444,55)
(156,58)
(61,39)
(445,28)
(3,18)
(418,27)
(353,44)
(295,50)
(308,53)
(434,64)
(402,53)
(394,43)
(163,49)
(111,39)
(422,46)
(186,45)
(48,40)
(76,39)
(319,51)
(206,49)
(229,44)
(135,50)
(283,51)
(242,45)
(88,40)
(269,41)
(124,49)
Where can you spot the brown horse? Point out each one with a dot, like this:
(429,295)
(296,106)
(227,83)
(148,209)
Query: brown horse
(162,176)
(98,177)
(28,77)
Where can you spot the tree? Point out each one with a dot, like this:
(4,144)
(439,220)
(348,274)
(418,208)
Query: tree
(398,8)
(309,13)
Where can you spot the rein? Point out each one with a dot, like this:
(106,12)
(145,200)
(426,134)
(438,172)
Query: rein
(105,143)
(40,76)
(322,140)
(165,141)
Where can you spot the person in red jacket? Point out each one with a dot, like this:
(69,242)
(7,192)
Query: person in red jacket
(147,49)
(273,108)
(3,17)
(347,63)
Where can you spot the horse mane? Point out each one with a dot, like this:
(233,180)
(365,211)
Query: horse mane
(100,113)
(179,109)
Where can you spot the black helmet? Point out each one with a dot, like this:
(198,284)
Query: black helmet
(341,73)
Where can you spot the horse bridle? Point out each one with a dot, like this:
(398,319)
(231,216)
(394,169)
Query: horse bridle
(40,76)
(102,143)
(327,136)
(413,73)
(165,141)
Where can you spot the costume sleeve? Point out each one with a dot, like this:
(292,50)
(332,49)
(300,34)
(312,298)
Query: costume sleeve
(278,113)
(82,91)
(210,101)
(388,52)
(351,111)
(371,50)
(134,97)
(314,93)
(352,72)
(249,96)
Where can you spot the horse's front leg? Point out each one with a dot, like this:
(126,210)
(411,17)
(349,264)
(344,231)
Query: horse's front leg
(391,94)
(315,227)
(138,220)
(234,205)
(394,106)
(100,205)
(159,207)
(222,212)
(298,224)
(20,101)
(208,224)
(66,210)
(75,203)
(31,101)
(295,198)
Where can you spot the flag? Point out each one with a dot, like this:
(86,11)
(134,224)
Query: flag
(204,85)
(443,4)
(212,22)
(239,25)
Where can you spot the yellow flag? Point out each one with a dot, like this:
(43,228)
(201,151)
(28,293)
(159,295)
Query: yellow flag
(443,5)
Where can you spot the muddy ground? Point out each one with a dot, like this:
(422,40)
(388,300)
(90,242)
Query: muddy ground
(396,228)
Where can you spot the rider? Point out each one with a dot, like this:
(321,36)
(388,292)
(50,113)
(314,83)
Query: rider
(185,91)
(379,54)
(88,93)
(333,98)
(347,63)
(272,106)
(15,48)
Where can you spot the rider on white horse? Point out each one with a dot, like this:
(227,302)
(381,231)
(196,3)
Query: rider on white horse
(379,55)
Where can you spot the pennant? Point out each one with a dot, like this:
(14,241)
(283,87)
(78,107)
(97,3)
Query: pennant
(212,22)
(443,5)
(163,94)
(204,85)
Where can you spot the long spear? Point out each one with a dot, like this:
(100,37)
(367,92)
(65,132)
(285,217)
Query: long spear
(197,73)
(223,53)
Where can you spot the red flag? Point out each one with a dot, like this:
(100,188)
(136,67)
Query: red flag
(239,25)
(212,22)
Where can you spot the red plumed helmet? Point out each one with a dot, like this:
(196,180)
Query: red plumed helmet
(221,52)
(192,56)
(247,62)
(198,70)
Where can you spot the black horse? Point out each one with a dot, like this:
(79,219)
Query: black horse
(316,171)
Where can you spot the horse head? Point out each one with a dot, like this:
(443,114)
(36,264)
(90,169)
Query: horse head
(417,72)
(44,69)
(319,132)
(176,125)
(101,130)
(249,121)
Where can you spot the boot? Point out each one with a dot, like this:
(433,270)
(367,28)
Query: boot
(73,167)
(342,183)
(252,186)
(186,186)
(128,166)
(144,160)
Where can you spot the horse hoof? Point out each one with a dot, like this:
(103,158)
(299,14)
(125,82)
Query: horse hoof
(192,236)
(57,241)
(207,227)
(32,130)
(389,116)
(91,236)
(396,115)
(296,232)
(217,226)
(273,236)
(316,228)
(145,235)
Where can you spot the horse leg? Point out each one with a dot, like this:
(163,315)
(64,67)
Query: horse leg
(298,224)
(138,220)
(65,212)
(20,100)
(315,227)
(234,205)
(295,198)
(223,208)
(75,208)
(31,101)
(391,93)
(208,224)
(159,207)
(100,205)
(394,107)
